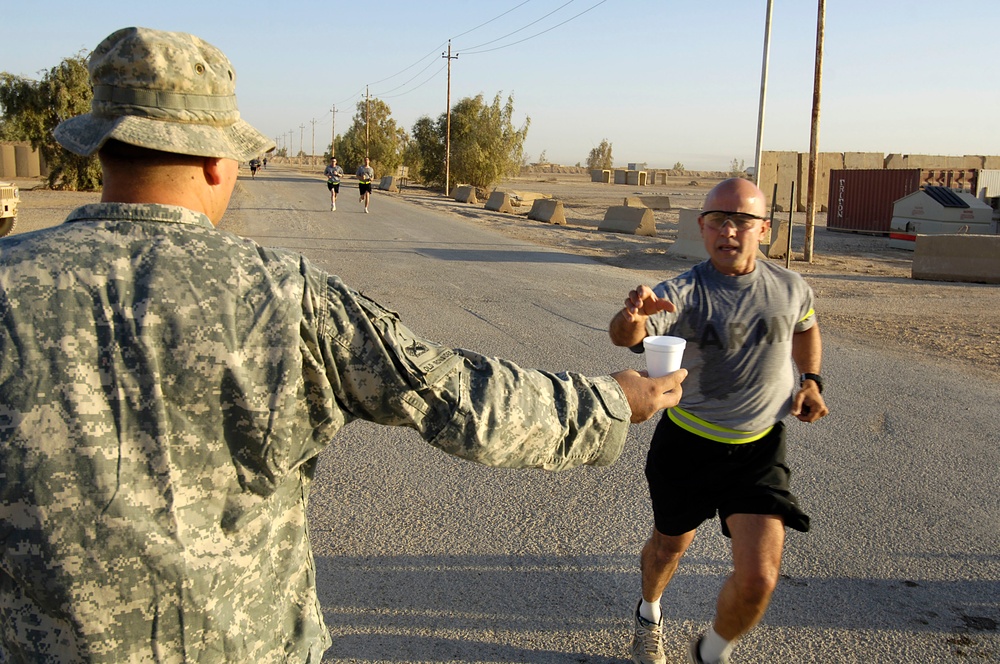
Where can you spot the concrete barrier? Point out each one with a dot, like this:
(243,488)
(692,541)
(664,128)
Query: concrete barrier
(632,220)
(621,176)
(388,183)
(968,258)
(465,193)
(598,175)
(777,243)
(518,198)
(548,210)
(689,243)
(499,201)
(651,202)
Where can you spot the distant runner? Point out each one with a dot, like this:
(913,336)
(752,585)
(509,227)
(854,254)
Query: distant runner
(254,165)
(333,174)
(365,176)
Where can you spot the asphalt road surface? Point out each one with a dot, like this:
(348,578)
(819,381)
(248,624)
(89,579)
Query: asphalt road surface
(422,557)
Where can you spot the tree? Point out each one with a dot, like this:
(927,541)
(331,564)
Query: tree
(485,145)
(600,157)
(32,109)
(427,150)
(385,139)
(737,168)
(679,166)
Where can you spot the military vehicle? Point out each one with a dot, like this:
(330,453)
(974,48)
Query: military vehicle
(9,198)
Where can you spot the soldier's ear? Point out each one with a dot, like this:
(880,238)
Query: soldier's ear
(214,170)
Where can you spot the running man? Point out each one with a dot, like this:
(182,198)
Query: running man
(333,174)
(365,176)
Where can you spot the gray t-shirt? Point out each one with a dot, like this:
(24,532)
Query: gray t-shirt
(333,173)
(739,341)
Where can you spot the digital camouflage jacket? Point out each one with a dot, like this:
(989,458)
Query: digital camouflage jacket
(165,389)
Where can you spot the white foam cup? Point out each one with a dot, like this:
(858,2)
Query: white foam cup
(663,354)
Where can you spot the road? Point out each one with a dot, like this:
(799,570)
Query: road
(422,557)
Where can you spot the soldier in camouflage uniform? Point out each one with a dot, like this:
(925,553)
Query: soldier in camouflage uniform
(165,389)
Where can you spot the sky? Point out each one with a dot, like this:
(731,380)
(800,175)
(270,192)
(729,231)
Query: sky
(664,81)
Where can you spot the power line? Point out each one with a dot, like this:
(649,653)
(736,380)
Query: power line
(363,92)
(416,87)
(419,60)
(405,82)
(523,27)
(537,34)
(492,19)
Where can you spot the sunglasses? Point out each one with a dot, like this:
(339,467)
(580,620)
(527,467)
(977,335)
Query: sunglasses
(741,221)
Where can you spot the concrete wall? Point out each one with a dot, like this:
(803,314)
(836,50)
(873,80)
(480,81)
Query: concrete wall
(8,167)
(784,168)
(20,160)
(781,168)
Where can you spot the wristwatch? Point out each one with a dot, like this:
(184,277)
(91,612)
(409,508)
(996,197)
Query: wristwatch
(813,377)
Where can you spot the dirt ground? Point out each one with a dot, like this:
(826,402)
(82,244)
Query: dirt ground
(863,287)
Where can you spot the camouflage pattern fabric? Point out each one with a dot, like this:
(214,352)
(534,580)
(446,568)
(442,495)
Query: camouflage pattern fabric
(168,91)
(165,389)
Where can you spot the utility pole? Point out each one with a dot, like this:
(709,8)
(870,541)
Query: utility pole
(814,134)
(763,93)
(302,129)
(447,126)
(333,130)
(291,142)
(312,153)
(367,116)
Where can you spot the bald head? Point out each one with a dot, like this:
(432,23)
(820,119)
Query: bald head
(737,195)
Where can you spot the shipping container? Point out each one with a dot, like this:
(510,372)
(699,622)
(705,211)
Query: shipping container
(861,200)
(987,184)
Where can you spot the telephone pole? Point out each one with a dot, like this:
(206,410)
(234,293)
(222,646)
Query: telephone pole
(333,130)
(367,115)
(763,94)
(312,152)
(814,135)
(447,126)
(302,129)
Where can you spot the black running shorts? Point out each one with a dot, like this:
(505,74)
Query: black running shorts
(691,479)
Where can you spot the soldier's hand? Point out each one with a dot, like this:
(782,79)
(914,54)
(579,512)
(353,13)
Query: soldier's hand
(808,405)
(647,396)
(643,302)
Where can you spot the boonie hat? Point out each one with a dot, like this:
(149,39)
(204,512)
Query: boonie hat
(167,91)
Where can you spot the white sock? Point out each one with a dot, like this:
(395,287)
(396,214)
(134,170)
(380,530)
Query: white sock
(650,610)
(714,647)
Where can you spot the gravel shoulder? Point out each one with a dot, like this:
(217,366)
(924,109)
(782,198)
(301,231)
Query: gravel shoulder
(863,287)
